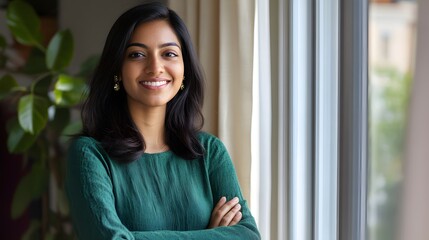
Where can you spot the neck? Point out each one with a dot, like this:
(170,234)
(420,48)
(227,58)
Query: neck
(151,124)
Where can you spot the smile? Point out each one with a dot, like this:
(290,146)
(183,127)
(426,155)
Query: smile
(153,84)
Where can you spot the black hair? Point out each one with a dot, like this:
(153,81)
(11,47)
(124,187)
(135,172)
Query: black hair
(105,114)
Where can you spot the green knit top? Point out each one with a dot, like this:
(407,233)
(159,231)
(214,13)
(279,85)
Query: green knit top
(158,196)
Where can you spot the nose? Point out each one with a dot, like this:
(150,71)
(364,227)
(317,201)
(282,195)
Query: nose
(154,66)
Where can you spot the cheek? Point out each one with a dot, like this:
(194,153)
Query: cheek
(128,70)
(126,85)
(178,70)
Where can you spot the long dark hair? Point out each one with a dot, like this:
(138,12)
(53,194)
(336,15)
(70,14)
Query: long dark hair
(105,113)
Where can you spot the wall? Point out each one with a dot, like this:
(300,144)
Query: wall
(90,22)
(415,211)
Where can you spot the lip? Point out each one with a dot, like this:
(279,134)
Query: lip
(154,83)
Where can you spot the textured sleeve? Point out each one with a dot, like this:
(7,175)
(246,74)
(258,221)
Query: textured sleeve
(224,182)
(92,203)
(89,191)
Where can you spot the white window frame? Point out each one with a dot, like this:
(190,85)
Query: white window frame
(328,125)
(319,150)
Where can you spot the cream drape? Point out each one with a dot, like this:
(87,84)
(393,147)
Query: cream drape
(222,33)
(415,211)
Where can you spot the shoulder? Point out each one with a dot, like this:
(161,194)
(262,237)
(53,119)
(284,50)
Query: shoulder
(210,142)
(84,143)
(86,156)
(205,136)
(215,154)
(83,147)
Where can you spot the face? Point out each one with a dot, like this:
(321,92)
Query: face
(153,69)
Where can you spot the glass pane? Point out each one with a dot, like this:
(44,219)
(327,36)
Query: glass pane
(392,34)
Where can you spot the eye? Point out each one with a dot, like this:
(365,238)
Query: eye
(170,54)
(136,55)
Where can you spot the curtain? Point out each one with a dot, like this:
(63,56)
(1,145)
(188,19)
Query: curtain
(222,32)
(415,210)
(273,118)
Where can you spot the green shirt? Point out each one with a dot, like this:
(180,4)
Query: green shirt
(158,196)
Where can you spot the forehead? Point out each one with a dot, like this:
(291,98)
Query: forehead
(157,32)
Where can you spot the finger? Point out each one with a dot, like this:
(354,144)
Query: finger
(220,212)
(225,208)
(220,203)
(226,220)
(236,219)
(214,220)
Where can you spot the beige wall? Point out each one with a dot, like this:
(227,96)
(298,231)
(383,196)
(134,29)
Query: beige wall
(392,25)
(90,22)
(415,211)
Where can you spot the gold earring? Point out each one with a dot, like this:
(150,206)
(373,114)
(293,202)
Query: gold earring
(116,86)
(183,85)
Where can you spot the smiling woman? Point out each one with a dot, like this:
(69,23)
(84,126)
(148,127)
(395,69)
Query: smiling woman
(142,169)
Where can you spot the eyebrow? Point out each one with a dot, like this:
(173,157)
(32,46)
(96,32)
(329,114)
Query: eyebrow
(160,46)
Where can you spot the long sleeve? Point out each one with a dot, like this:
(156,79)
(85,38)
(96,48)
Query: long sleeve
(224,182)
(89,190)
(95,199)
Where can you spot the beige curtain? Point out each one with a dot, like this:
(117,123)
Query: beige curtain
(222,33)
(415,212)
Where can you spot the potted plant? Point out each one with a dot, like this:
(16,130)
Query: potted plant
(44,108)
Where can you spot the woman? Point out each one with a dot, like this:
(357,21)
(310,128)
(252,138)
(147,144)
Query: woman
(141,168)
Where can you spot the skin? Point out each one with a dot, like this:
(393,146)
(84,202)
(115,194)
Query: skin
(225,213)
(154,56)
(152,73)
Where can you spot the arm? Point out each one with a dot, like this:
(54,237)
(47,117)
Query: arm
(226,213)
(92,203)
(224,182)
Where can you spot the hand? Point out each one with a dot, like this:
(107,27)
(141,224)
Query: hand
(225,213)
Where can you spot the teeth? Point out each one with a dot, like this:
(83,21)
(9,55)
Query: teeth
(154,84)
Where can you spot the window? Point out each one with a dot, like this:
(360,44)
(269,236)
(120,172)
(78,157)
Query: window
(392,34)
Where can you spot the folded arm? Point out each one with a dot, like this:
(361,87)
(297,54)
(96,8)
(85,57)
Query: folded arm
(92,205)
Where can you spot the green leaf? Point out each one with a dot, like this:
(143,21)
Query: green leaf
(3,60)
(32,231)
(33,113)
(61,119)
(18,140)
(24,23)
(69,91)
(50,236)
(40,177)
(60,51)
(35,63)
(31,187)
(63,205)
(3,57)
(72,128)
(88,66)
(39,150)
(3,42)
(7,85)
(41,86)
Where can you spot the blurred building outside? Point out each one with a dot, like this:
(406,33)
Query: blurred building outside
(392,39)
